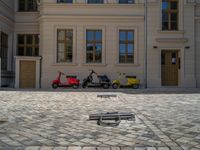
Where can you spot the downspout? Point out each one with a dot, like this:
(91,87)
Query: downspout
(145,41)
(195,60)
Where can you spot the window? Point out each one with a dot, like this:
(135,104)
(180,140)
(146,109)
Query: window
(126,1)
(27,5)
(95,1)
(170,15)
(94,46)
(126,46)
(28,45)
(4,50)
(64,45)
(65,1)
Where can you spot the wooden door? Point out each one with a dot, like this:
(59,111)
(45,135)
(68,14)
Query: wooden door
(170,66)
(27,74)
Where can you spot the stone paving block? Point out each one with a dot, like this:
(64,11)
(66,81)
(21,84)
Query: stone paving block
(103,148)
(32,148)
(151,148)
(140,148)
(60,148)
(46,148)
(163,148)
(74,148)
(115,148)
(127,148)
(89,148)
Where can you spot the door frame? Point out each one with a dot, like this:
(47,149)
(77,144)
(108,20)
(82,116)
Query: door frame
(37,73)
(181,56)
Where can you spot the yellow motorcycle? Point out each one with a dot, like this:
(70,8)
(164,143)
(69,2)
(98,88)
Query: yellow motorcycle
(126,81)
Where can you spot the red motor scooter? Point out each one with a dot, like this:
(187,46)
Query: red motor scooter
(72,81)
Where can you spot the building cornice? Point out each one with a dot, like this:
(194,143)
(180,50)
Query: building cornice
(84,17)
(172,40)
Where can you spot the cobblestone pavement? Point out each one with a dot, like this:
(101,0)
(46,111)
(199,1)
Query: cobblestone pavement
(58,120)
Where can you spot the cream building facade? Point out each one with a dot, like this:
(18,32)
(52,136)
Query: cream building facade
(105,35)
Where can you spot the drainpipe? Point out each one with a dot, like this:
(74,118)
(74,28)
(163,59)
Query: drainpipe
(195,60)
(145,41)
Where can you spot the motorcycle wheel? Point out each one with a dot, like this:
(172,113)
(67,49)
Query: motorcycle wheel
(105,86)
(75,86)
(135,86)
(115,86)
(54,86)
(84,85)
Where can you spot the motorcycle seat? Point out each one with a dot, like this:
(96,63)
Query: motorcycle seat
(71,76)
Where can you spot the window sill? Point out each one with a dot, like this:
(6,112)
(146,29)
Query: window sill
(94,64)
(64,64)
(171,31)
(127,65)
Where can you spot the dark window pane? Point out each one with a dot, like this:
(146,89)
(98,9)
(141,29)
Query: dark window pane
(165,26)
(61,34)
(29,51)
(98,48)
(22,5)
(90,35)
(89,47)
(89,57)
(65,1)
(165,17)
(126,1)
(122,58)
(21,39)
(174,26)
(122,35)
(98,35)
(130,48)
(122,48)
(36,39)
(95,1)
(36,51)
(174,17)
(61,47)
(61,57)
(174,5)
(130,36)
(29,39)
(21,51)
(165,4)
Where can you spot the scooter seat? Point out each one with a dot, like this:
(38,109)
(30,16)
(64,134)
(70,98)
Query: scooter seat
(130,76)
(71,76)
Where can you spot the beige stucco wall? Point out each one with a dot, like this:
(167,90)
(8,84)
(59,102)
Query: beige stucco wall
(79,17)
(166,40)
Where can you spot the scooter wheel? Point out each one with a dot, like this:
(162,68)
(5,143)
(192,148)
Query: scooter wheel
(115,86)
(135,86)
(105,86)
(75,86)
(54,86)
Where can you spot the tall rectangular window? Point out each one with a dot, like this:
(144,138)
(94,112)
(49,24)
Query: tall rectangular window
(64,45)
(95,1)
(169,14)
(27,5)
(28,45)
(94,46)
(126,46)
(4,50)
